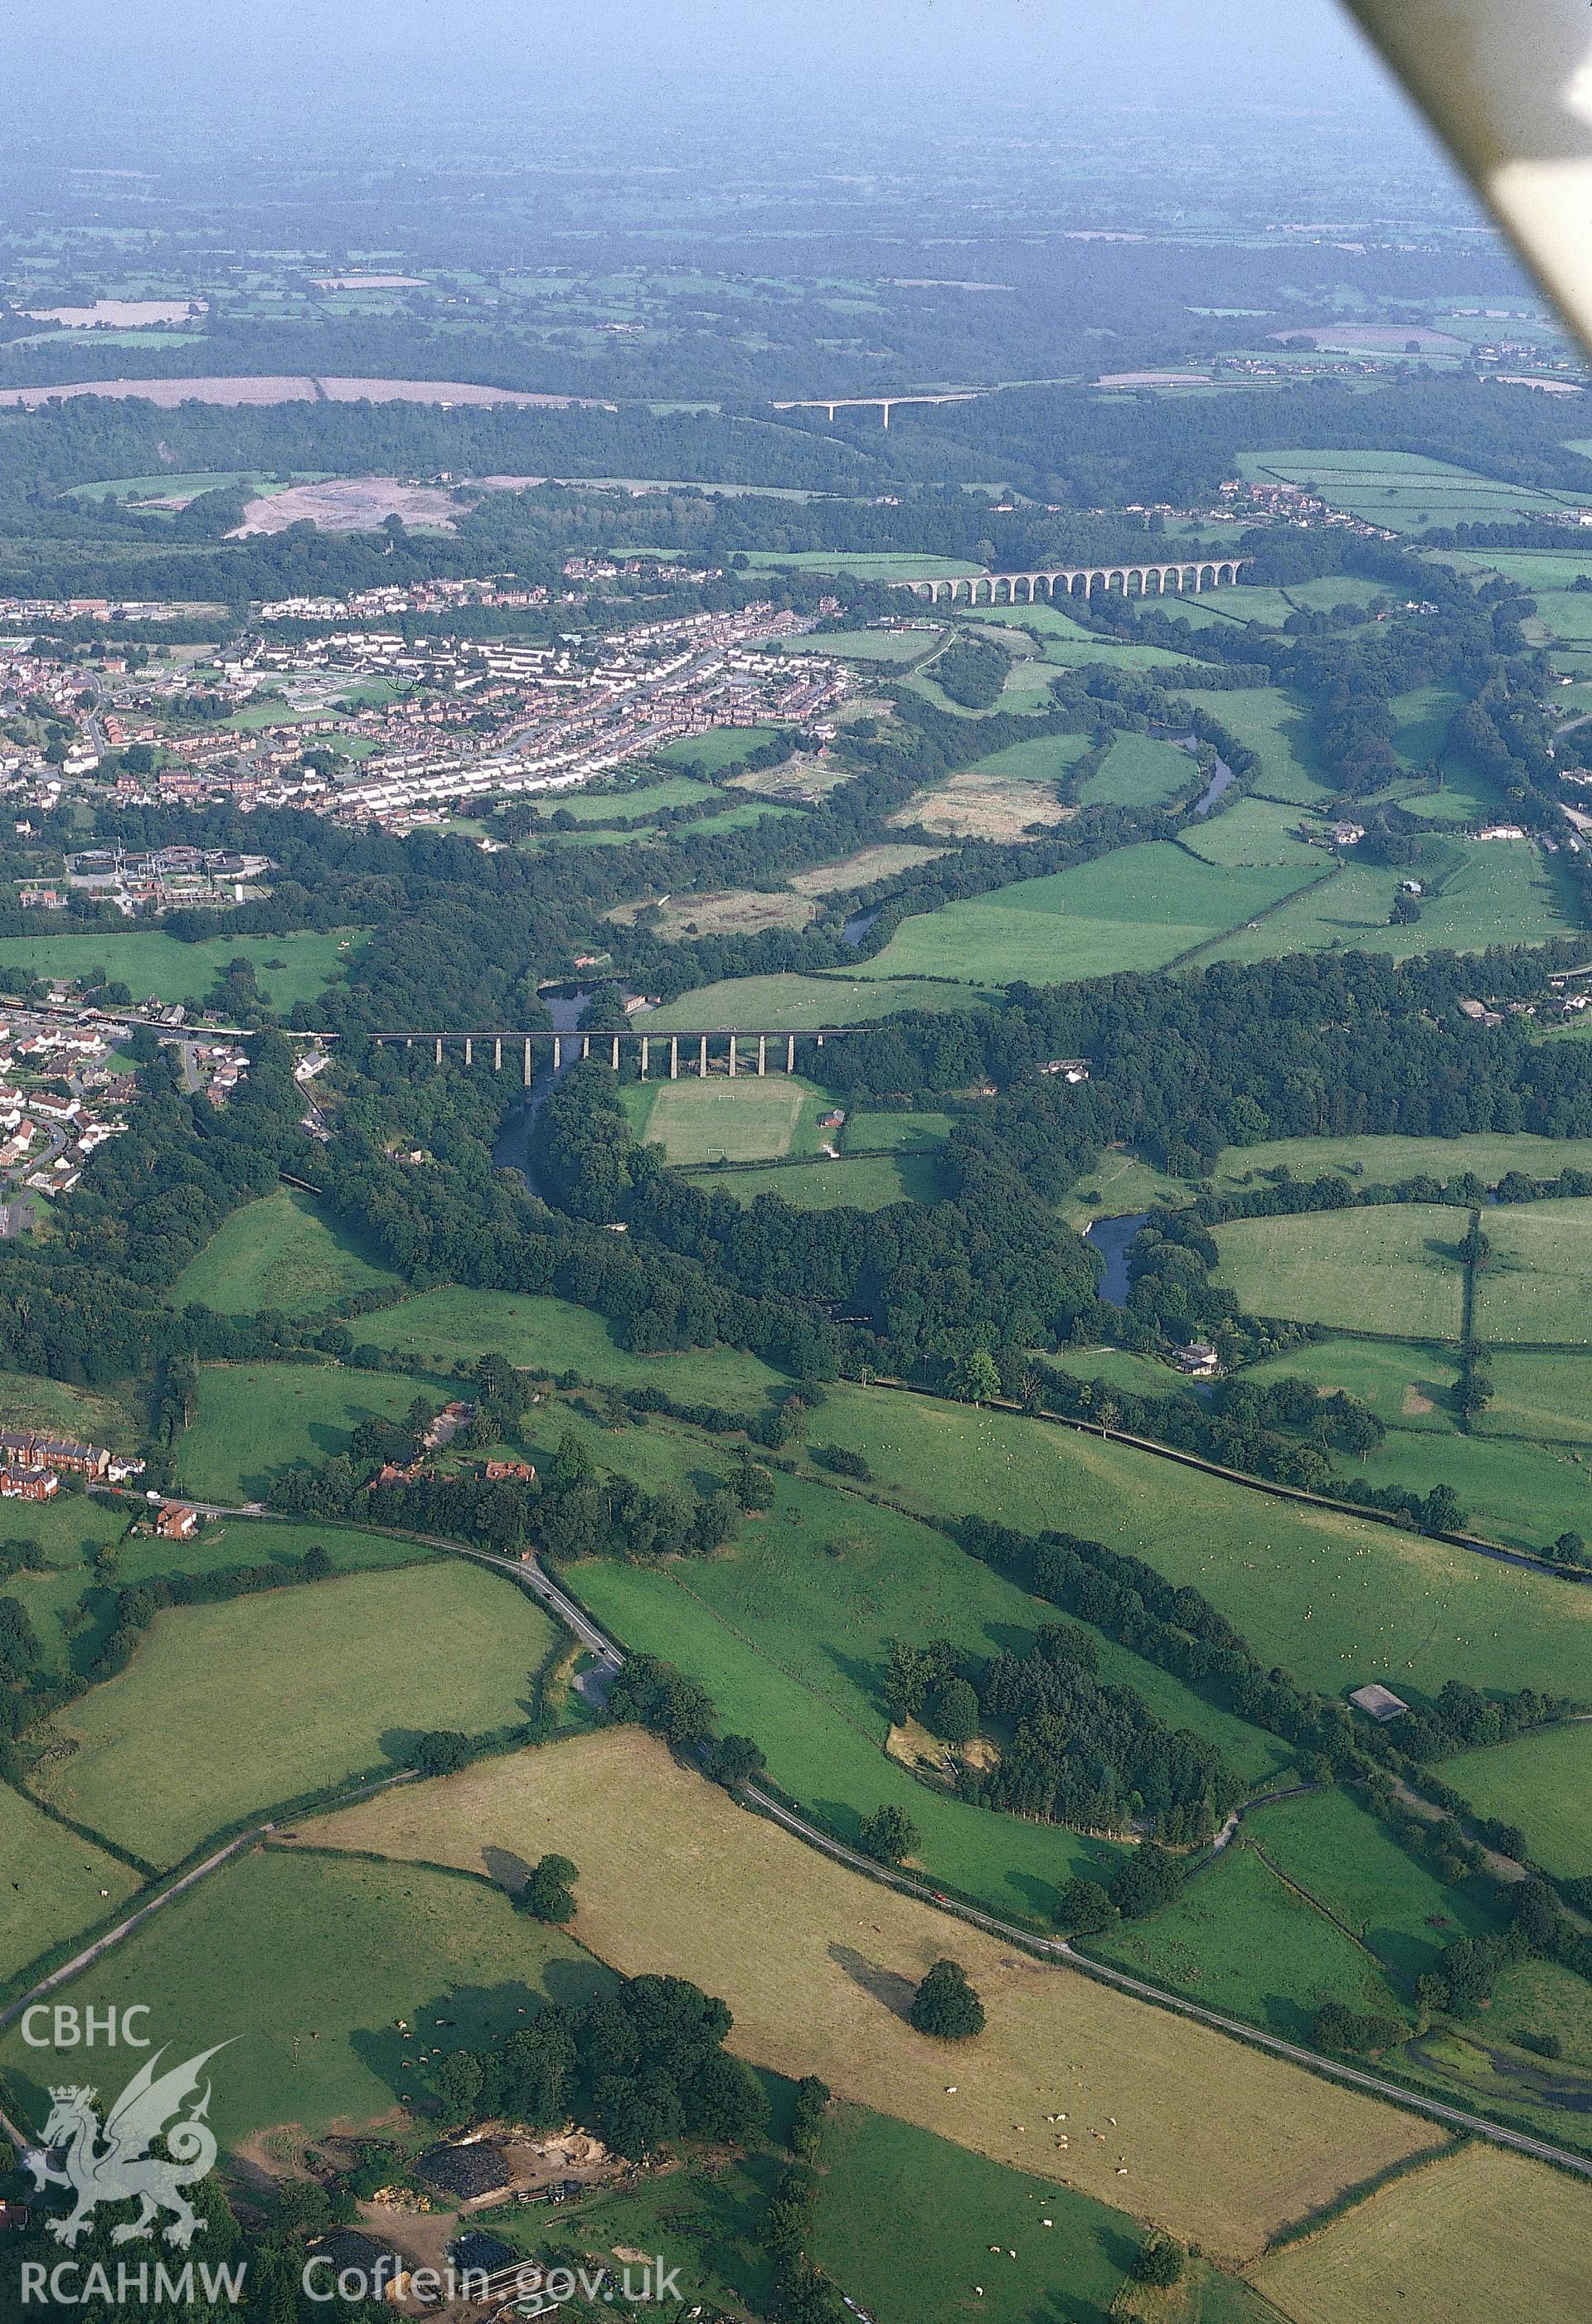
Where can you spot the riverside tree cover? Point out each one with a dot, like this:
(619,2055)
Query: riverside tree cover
(1336,1045)
(1068,454)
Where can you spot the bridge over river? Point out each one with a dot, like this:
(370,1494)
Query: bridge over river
(666,1054)
(1186,576)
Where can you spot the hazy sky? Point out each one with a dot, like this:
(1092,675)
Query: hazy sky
(98,64)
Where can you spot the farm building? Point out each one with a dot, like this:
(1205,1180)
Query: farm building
(1198,1359)
(176,1522)
(1378,1702)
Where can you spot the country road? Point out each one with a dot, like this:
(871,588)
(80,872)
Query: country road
(542,1586)
(531,1577)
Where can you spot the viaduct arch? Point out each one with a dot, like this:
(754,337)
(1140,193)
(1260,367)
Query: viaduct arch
(1174,578)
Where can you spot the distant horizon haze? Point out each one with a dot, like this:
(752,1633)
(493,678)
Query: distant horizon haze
(101,81)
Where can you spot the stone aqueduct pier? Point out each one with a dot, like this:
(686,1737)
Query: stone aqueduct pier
(1185,577)
(731,1053)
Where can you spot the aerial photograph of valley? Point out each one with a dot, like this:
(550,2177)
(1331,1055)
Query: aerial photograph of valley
(796,1162)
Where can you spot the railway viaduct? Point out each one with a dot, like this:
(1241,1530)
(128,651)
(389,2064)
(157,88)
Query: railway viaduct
(1155,579)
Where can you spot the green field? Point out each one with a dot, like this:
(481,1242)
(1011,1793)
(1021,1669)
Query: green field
(1335,1599)
(1536,1287)
(1044,620)
(1391,1269)
(285,1693)
(55,1883)
(751,1118)
(1236,1939)
(440,1329)
(1385,1161)
(1499,892)
(127,488)
(1332,1848)
(1137,771)
(1276,726)
(1421,722)
(289,968)
(1137,907)
(836,1767)
(1335,589)
(720,748)
(1119,1184)
(1409,1385)
(1042,759)
(1117,653)
(1540,570)
(823,1584)
(1137,1375)
(1541,1396)
(29,1400)
(866,645)
(263,1540)
(1403,491)
(255,1421)
(640,798)
(864,1182)
(867,564)
(903,1133)
(1522,1495)
(282,1252)
(1462,794)
(1256,831)
(72,1533)
(789,1003)
(905,2223)
(1520,1473)
(306,1963)
(1544,1783)
(1566,613)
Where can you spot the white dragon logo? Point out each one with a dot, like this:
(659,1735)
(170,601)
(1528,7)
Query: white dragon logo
(123,2170)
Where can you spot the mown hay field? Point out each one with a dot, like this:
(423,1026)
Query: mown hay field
(1476,2234)
(751,1118)
(1214,2140)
